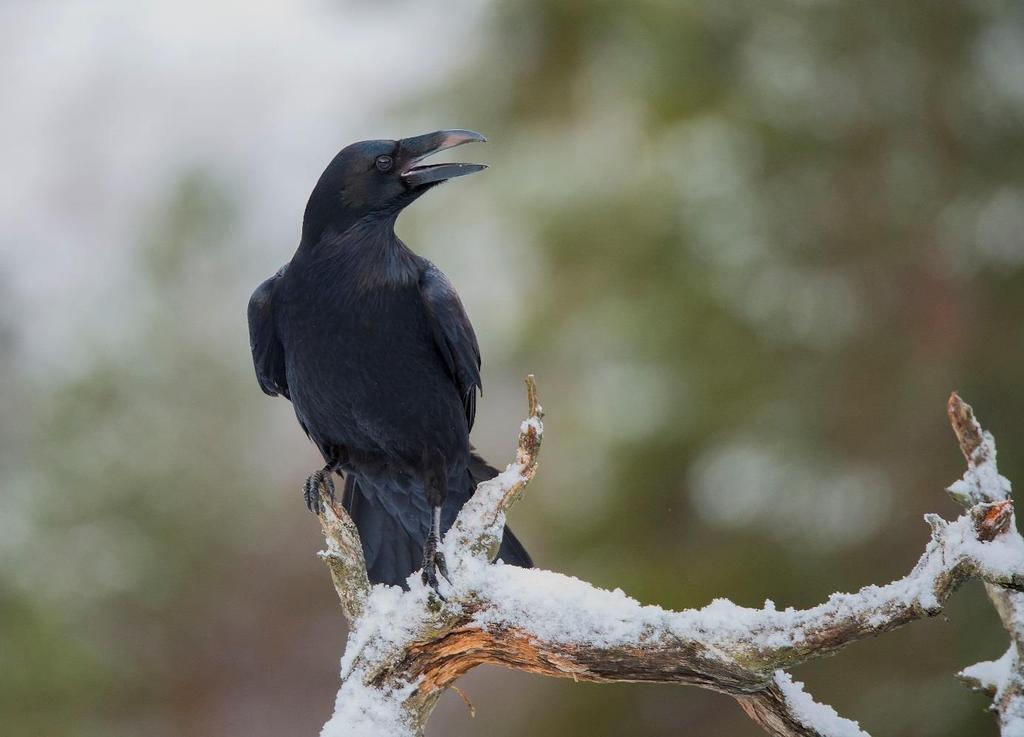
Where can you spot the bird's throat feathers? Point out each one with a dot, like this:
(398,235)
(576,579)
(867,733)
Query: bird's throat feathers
(368,252)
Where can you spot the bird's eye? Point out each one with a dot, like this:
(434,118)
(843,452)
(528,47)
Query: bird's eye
(384,163)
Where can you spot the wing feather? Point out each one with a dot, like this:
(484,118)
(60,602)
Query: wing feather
(267,352)
(454,336)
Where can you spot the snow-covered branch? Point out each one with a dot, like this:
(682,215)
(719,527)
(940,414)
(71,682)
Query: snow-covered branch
(982,485)
(407,647)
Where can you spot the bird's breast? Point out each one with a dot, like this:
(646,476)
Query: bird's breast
(364,370)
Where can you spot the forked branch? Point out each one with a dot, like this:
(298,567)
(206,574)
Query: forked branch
(406,647)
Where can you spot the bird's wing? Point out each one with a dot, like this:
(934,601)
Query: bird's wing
(267,352)
(453,335)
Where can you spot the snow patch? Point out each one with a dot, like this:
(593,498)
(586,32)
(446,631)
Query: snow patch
(362,711)
(390,618)
(982,481)
(819,717)
(993,674)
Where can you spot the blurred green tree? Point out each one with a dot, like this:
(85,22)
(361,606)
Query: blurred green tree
(771,238)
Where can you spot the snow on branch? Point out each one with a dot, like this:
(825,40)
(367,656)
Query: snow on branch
(406,647)
(984,491)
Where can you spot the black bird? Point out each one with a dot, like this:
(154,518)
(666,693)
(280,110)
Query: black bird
(373,347)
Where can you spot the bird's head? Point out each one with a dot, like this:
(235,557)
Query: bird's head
(380,178)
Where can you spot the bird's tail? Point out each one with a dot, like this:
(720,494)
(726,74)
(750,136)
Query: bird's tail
(393,523)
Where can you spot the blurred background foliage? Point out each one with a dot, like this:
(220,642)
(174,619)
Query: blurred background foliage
(747,247)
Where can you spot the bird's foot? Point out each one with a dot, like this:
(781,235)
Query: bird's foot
(433,564)
(311,490)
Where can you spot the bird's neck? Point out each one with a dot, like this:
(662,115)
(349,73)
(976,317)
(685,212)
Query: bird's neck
(368,250)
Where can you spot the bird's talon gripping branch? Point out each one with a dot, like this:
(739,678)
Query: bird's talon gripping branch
(442,566)
(433,563)
(311,491)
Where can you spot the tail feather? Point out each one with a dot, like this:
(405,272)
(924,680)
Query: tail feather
(393,544)
(391,553)
(512,551)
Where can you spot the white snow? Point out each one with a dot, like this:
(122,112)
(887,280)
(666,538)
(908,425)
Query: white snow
(482,514)
(1003,675)
(558,608)
(363,711)
(961,490)
(993,674)
(982,481)
(390,618)
(819,717)
(1001,557)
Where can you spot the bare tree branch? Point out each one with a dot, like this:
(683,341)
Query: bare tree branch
(406,647)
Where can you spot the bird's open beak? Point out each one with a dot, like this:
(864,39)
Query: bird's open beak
(414,150)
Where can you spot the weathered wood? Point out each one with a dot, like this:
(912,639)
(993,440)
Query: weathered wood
(344,557)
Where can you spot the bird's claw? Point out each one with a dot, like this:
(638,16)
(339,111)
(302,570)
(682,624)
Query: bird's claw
(321,480)
(433,564)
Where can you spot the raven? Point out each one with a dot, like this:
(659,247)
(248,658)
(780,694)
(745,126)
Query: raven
(373,347)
